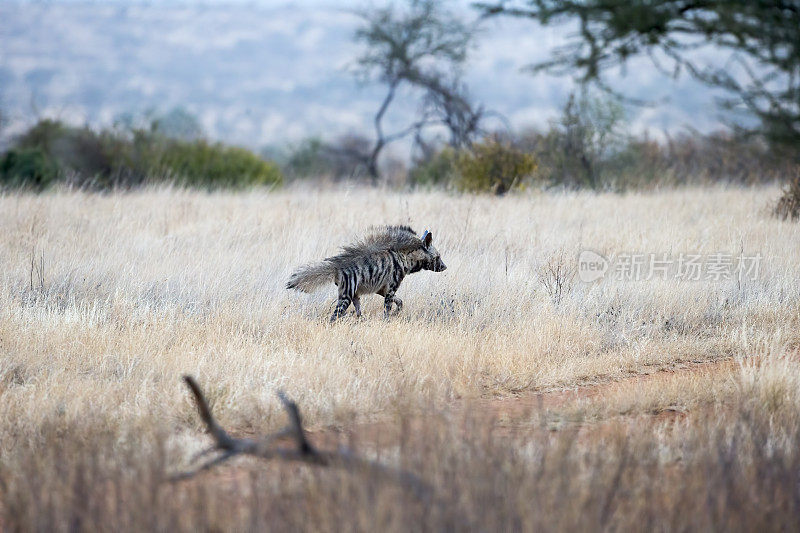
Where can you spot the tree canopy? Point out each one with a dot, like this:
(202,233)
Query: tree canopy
(762,75)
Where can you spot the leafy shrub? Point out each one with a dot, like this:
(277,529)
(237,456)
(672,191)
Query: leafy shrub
(437,170)
(128,158)
(203,164)
(27,168)
(86,158)
(788,206)
(493,166)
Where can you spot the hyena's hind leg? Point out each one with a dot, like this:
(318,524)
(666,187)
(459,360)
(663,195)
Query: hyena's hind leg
(341,307)
(347,295)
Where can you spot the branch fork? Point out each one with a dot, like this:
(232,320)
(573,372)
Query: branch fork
(303,451)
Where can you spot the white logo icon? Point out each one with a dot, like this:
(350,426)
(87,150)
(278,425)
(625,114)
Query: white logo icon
(591,266)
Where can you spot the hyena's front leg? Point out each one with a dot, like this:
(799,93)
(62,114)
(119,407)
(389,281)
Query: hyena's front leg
(399,304)
(357,305)
(388,300)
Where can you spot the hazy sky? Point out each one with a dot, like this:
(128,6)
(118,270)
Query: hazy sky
(261,72)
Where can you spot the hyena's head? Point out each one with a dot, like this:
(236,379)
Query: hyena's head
(429,256)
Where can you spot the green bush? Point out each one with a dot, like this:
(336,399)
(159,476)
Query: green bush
(27,168)
(203,164)
(493,166)
(437,170)
(128,158)
(85,158)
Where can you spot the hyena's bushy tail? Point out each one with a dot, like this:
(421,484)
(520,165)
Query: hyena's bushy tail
(310,277)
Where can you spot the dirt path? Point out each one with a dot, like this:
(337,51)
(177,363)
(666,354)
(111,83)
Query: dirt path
(559,398)
(514,416)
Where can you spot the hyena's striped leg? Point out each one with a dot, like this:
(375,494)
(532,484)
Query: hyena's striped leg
(357,305)
(398,303)
(348,283)
(341,307)
(387,304)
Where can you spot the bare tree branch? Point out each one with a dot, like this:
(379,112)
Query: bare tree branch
(303,451)
(420,46)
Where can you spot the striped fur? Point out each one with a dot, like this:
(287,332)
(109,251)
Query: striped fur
(378,263)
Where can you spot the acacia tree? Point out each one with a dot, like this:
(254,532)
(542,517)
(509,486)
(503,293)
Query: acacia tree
(763,76)
(422,46)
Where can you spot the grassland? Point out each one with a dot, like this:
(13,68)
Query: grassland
(618,403)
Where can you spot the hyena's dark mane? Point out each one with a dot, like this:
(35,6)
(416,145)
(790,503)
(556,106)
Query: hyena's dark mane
(379,239)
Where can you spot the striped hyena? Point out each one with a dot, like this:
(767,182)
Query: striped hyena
(376,264)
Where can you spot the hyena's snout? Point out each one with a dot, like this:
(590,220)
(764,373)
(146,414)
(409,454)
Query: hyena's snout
(440,266)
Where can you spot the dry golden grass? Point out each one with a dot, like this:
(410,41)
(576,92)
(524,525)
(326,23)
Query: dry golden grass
(106,300)
(140,288)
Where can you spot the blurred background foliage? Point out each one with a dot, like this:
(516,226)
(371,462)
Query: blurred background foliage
(170,148)
(588,146)
(420,49)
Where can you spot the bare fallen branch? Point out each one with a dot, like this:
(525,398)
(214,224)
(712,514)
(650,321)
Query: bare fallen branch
(229,447)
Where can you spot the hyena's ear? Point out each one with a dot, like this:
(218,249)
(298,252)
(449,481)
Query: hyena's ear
(427,238)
